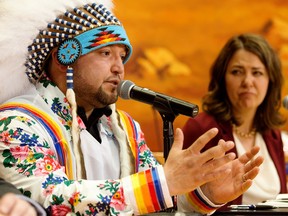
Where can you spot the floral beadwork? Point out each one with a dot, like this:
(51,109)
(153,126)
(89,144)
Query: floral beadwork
(145,157)
(29,162)
(30,154)
(59,105)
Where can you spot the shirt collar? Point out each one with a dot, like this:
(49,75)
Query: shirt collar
(96,114)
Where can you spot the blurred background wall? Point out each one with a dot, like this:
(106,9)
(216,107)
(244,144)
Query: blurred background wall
(175,42)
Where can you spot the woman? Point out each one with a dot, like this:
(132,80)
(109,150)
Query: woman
(243,102)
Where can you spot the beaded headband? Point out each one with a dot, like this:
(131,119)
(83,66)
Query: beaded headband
(71,49)
(76,33)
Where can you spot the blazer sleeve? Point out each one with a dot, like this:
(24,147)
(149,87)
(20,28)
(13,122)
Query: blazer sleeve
(6,187)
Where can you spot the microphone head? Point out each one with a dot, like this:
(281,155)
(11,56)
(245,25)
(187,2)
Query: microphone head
(285,102)
(124,89)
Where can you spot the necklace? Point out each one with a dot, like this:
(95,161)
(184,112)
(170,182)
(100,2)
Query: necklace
(242,134)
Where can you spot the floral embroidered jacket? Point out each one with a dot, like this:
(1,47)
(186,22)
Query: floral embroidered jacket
(38,157)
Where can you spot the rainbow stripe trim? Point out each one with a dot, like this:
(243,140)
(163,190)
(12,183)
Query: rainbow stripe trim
(54,130)
(147,192)
(132,135)
(198,203)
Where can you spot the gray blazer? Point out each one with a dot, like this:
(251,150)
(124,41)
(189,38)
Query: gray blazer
(6,187)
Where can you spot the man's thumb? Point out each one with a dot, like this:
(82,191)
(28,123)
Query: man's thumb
(178,139)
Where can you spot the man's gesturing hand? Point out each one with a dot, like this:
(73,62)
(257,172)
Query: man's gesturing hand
(187,169)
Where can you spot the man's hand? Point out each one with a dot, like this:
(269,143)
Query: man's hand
(187,169)
(11,205)
(230,186)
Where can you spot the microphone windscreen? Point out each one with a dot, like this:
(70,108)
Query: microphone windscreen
(124,89)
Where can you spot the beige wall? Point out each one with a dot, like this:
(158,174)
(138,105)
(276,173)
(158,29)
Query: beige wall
(176,41)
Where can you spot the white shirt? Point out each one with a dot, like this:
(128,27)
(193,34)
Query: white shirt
(266,185)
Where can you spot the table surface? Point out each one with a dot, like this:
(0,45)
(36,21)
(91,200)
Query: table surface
(276,211)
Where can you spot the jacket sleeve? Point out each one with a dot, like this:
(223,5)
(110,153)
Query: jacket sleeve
(29,161)
(6,187)
(196,201)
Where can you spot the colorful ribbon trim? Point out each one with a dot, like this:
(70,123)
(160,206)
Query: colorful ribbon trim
(199,203)
(130,127)
(54,130)
(148,192)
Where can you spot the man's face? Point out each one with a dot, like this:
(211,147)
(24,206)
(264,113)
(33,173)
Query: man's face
(96,76)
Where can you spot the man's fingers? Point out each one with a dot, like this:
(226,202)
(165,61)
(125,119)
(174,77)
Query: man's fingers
(178,139)
(252,169)
(253,163)
(215,173)
(217,151)
(196,147)
(249,155)
(218,162)
(246,185)
(222,153)
(252,173)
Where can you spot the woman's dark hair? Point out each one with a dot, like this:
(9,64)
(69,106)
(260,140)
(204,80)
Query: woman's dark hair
(216,101)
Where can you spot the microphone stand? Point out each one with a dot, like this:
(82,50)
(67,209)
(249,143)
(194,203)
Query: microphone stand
(168,133)
(168,116)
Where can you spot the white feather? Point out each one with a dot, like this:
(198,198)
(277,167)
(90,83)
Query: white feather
(20,22)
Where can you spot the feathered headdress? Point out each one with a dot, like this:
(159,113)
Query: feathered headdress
(30,29)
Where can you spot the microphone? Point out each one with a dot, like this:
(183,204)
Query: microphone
(128,90)
(285,102)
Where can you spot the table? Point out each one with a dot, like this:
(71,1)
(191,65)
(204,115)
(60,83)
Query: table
(176,214)
(276,211)
(272,212)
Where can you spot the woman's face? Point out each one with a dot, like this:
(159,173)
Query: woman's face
(246,81)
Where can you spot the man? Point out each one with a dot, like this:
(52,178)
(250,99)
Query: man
(66,143)
(12,202)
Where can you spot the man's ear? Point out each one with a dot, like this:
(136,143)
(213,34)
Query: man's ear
(60,66)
